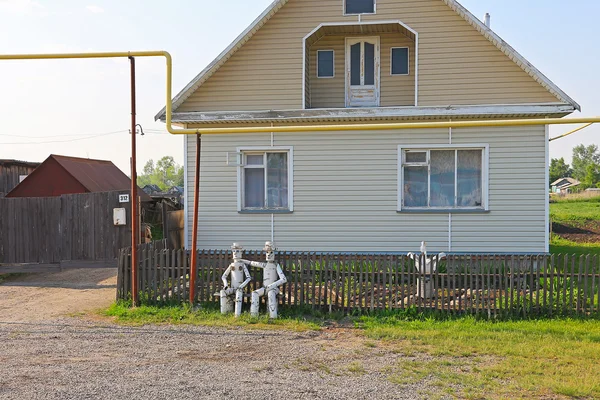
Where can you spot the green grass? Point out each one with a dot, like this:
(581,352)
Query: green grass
(468,358)
(575,211)
(6,277)
(559,245)
(184,314)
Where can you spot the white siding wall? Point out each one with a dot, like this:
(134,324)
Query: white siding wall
(345,194)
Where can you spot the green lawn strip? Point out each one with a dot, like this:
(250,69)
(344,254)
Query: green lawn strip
(481,359)
(206,316)
(575,211)
(559,245)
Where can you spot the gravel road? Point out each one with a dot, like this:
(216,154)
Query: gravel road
(70,358)
(67,357)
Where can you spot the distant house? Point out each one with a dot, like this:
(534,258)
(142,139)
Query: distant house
(59,175)
(12,172)
(564,185)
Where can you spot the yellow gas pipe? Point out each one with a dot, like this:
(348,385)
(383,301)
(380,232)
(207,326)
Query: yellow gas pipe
(300,129)
(311,128)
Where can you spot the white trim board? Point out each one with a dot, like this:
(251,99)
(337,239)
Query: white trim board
(191,87)
(409,112)
(546,189)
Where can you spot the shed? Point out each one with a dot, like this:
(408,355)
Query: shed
(59,175)
(12,172)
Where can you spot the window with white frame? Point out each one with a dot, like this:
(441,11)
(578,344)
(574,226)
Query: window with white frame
(265,180)
(325,64)
(353,7)
(400,61)
(443,178)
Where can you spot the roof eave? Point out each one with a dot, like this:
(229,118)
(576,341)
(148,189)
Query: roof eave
(377,113)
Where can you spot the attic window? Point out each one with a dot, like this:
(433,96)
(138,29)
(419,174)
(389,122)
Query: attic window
(400,65)
(325,64)
(353,7)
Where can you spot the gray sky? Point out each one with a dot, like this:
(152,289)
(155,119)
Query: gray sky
(73,107)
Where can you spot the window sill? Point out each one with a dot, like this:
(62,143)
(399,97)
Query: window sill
(442,211)
(357,14)
(265,212)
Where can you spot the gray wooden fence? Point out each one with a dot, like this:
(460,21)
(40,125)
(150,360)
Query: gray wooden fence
(70,230)
(492,285)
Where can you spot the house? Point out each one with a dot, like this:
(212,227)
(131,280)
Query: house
(12,172)
(307,62)
(564,185)
(59,175)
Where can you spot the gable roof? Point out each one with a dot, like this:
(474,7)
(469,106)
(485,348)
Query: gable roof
(266,15)
(566,182)
(93,175)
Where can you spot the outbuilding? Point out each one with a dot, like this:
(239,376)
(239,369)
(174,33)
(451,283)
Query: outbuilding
(59,175)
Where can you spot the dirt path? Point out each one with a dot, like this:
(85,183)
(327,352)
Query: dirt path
(48,353)
(37,297)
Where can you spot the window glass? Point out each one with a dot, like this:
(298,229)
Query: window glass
(265,181)
(400,61)
(415,186)
(355,64)
(469,177)
(254,159)
(442,178)
(369,63)
(360,6)
(325,63)
(277,180)
(254,187)
(416,157)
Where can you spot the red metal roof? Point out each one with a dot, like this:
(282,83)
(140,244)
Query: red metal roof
(97,175)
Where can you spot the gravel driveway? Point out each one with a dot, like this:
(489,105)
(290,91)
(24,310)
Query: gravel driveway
(81,358)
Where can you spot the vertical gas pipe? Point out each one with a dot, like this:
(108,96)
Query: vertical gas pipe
(134,199)
(194,260)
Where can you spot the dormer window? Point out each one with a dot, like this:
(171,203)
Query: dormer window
(353,7)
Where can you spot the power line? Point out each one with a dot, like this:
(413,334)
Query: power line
(56,136)
(67,141)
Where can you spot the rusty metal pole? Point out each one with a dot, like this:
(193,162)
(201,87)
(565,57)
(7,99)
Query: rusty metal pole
(134,199)
(194,260)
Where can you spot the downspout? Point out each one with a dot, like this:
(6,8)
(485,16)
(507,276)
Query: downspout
(194,260)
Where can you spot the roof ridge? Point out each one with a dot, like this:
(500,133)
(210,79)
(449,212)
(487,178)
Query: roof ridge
(55,156)
(454,5)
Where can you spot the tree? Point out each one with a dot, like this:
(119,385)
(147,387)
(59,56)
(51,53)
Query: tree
(583,156)
(559,169)
(165,174)
(592,175)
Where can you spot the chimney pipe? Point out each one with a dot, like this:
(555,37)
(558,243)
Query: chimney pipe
(488,20)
